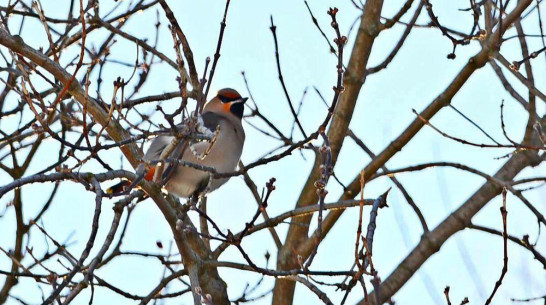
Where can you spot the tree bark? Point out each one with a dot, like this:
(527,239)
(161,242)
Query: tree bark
(458,220)
(188,242)
(353,80)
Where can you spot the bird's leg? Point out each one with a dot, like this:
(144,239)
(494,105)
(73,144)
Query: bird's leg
(193,200)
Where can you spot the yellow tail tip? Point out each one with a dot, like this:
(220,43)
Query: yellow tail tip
(118,188)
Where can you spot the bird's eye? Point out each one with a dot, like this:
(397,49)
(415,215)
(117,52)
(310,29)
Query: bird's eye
(225,99)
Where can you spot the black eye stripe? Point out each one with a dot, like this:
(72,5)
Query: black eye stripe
(225,99)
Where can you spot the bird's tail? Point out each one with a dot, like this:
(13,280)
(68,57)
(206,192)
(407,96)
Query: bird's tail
(121,186)
(118,188)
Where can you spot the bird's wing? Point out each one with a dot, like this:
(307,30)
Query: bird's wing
(211,121)
(157,147)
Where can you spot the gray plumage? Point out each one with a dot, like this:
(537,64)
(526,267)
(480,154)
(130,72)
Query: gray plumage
(223,156)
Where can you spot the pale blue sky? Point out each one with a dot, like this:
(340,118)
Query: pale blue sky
(417,75)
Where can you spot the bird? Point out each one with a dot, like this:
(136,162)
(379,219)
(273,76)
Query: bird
(223,113)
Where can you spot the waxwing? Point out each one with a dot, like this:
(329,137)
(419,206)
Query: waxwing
(224,112)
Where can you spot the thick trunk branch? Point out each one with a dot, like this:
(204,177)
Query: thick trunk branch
(430,243)
(352,82)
